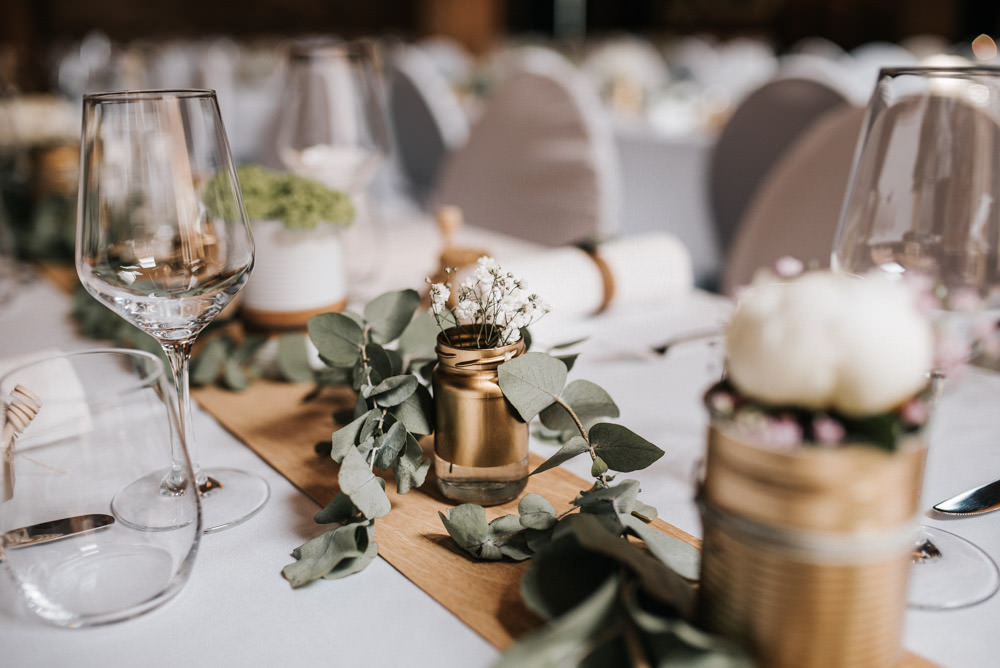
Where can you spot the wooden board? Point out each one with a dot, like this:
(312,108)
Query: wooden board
(272,419)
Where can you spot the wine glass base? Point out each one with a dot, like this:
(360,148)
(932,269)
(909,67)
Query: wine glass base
(145,505)
(961,576)
(240,497)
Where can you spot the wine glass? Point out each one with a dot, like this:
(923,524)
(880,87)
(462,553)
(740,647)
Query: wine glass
(163,241)
(331,128)
(923,201)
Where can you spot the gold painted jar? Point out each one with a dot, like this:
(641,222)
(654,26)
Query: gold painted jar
(480,443)
(807,552)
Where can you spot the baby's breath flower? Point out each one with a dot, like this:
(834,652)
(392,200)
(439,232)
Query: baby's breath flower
(493,302)
(440,294)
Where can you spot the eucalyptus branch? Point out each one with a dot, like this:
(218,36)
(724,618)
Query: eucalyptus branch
(599,468)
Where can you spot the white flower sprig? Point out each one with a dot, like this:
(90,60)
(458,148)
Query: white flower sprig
(494,302)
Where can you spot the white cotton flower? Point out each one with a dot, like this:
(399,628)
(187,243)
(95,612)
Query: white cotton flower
(830,341)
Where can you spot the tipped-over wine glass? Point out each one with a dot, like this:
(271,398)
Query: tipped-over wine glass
(923,201)
(163,241)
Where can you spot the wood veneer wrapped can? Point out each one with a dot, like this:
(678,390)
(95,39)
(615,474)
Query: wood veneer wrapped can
(807,552)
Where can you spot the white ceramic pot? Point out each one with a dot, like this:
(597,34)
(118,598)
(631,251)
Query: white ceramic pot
(297,274)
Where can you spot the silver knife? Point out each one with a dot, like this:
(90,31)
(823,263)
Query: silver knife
(46,532)
(982,499)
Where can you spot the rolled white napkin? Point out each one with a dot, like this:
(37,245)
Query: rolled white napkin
(646,268)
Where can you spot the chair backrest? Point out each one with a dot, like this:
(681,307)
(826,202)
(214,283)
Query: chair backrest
(759,131)
(540,162)
(796,210)
(426,116)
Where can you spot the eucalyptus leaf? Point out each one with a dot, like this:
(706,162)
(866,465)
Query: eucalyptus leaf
(622,448)
(516,548)
(352,565)
(504,539)
(569,360)
(390,313)
(466,524)
(588,400)
(324,553)
(365,446)
(416,412)
(568,451)
(674,643)
(620,497)
(410,467)
(293,359)
(536,512)
(337,337)
(206,367)
(389,446)
(395,361)
(379,363)
(248,348)
(394,390)
(538,539)
(362,486)
(566,640)
(370,425)
(531,382)
(654,577)
(233,376)
(682,558)
(644,511)
(543,433)
(562,574)
(569,344)
(340,509)
(419,339)
(345,438)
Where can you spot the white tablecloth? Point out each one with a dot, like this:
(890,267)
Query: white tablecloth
(236,610)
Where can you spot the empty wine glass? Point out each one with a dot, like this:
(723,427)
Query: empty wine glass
(922,201)
(163,241)
(331,128)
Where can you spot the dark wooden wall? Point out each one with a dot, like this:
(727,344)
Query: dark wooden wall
(31,28)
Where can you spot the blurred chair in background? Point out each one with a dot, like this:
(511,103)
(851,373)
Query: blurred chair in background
(797,207)
(757,134)
(540,163)
(426,116)
(664,190)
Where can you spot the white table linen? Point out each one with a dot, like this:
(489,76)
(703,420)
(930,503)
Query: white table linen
(237,609)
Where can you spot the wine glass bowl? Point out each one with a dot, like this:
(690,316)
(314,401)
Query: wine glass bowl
(331,128)
(163,240)
(923,203)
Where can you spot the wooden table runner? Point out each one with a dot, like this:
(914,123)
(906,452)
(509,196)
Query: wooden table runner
(272,420)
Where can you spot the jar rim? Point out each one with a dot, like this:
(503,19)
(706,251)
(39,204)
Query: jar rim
(464,356)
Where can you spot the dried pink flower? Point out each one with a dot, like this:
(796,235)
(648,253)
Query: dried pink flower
(915,412)
(828,431)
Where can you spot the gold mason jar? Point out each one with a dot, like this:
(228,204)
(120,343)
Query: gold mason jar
(480,443)
(807,552)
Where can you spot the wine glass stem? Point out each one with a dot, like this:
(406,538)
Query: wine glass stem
(179,356)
